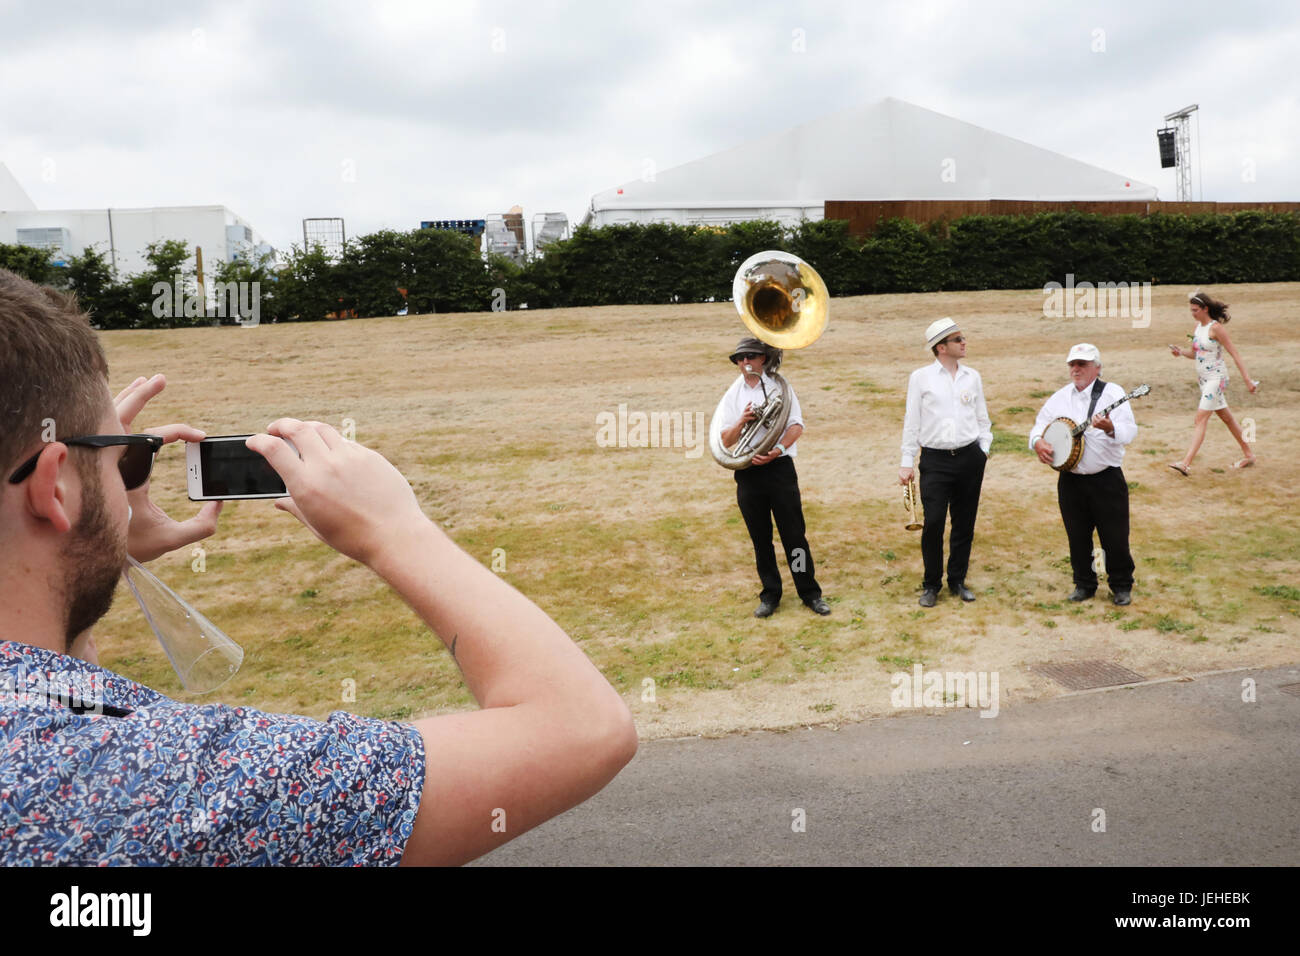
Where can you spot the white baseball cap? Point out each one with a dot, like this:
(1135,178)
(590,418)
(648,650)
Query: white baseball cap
(938,331)
(1084,351)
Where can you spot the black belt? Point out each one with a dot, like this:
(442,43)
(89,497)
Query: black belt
(950,451)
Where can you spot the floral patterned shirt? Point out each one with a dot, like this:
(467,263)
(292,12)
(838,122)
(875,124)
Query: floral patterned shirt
(96,769)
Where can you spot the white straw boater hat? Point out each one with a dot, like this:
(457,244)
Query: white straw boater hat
(938,331)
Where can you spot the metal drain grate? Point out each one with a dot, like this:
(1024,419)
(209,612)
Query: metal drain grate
(1085,675)
(1292,689)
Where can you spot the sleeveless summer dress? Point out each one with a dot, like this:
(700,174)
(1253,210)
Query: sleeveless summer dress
(1211,371)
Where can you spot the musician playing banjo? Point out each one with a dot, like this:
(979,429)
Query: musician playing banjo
(1093,493)
(769,488)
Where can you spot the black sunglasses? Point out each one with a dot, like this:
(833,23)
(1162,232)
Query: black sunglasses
(135,465)
(747,356)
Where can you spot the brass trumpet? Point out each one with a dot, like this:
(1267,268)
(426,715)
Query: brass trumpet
(912,506)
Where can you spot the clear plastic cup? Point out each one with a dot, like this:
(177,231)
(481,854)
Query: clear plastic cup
(203,657)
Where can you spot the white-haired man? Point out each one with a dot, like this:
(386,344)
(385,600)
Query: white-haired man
(1094,493)
(947,419)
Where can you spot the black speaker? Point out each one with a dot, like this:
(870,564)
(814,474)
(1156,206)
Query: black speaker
(1168,147)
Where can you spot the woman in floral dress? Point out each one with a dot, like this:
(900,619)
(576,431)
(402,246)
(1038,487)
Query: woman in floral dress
(1209,341)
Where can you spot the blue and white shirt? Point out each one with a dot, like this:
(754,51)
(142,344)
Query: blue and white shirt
(96,769)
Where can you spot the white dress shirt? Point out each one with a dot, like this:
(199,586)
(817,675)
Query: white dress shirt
(944,411)
(1100,451)
(740,395)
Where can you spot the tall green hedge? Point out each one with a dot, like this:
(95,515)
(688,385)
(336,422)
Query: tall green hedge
(428,271)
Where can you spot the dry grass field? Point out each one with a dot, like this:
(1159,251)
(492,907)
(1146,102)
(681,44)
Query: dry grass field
(640,553)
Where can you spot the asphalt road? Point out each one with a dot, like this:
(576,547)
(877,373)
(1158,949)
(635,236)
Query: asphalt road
(1186,773)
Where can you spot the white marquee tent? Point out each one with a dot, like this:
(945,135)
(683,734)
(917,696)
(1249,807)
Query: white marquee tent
(885,150)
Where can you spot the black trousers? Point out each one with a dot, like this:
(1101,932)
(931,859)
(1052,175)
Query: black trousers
(949,483)
(1097,501)
(764,493)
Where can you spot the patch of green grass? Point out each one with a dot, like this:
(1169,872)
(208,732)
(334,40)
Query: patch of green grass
(1283,591)
(1166,624)
(1039,393)
(1131,625)
(1016,410)
(869,386)
(825,707)
(897,661)
(1005,441)
(682,678)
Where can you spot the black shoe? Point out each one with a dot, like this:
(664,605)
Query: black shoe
(928,597)
(819,605)
(1121,597)
(765,609)
(1080,594)
(960,590)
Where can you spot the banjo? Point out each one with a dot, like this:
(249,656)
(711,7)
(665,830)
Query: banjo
(1066,436)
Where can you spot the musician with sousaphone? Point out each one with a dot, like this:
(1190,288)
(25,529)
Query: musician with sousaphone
(1087,447)
(758,420)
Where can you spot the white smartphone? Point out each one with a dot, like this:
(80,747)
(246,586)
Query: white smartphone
(223,468)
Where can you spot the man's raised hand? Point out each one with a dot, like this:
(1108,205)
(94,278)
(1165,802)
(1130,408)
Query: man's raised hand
(350,497)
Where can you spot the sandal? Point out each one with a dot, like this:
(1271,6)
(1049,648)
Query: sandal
(1179,467)
(1244,463)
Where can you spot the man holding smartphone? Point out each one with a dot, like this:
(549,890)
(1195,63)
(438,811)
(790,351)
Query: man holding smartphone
(156,781)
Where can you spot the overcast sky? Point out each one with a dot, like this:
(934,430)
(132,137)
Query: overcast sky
(391,112)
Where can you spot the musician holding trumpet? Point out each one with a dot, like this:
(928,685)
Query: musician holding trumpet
(1092,491)
(769,488)
(947,420)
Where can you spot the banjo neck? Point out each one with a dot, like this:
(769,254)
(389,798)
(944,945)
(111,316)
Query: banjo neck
(1084,426)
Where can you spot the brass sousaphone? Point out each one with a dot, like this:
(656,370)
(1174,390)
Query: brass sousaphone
(784,302)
